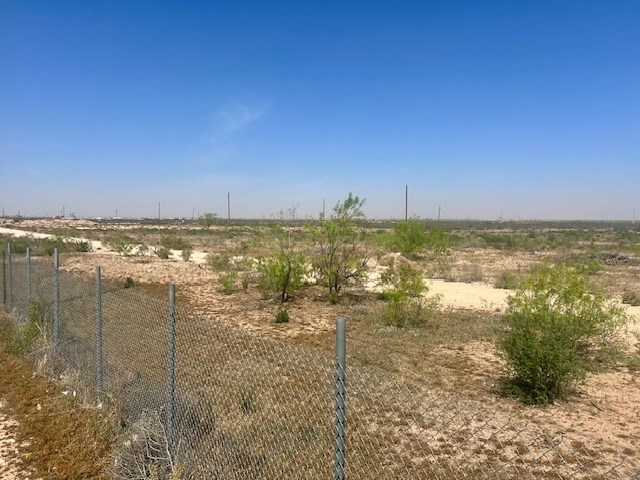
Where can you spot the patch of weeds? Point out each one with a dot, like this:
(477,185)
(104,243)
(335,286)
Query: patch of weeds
(631,298)
(508,280)
(173,242)
(282,316)
(21,339)
(403,295)
(634,363)
(128,283)
(186,253)
(163,252)
(471,272)
(228,282)
(246,277)
(120,242)
(218,262)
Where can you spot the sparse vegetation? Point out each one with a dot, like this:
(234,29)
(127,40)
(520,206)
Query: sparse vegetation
(208,220)
(163,252)
(228,282)
(403,295)
(282,316)
(631,298)
(120,242)
(509,280)
(408,237)
(556,320)
(340,252)
(186,253)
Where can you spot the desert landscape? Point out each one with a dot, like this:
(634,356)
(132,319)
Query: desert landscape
(449,352)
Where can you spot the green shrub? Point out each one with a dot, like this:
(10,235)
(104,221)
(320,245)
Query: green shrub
(186,253)
(469,273)
(281,275)
(22,339)
(509,280)
(408,237)
(403,295)
(163,252)
(438,240)
(631,298)
(120,242)
(173,242)
(282,316)
(228,282)
(556,321)
(128,283)
(218,261)
(340,248)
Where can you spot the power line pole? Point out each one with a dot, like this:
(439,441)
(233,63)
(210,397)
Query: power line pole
(406,203)
(229,207)
(439,207)
(158,210)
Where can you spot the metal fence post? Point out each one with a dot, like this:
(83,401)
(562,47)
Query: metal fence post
(56,298)
(99,365)
(171,365)
(4,278)
(341,393)
(29,288)
(9,278)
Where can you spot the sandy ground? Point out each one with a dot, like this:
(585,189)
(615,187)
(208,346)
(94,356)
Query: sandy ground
(9,470)
(602,416)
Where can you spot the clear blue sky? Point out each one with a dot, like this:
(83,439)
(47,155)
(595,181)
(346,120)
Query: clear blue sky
(526,108)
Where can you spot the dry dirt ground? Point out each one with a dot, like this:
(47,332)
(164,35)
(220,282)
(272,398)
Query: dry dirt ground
(602,417)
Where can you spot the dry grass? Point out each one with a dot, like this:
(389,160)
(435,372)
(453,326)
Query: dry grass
(61,438)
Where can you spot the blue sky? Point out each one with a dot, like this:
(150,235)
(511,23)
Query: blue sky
(525,109)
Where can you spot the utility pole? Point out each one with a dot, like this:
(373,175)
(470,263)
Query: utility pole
(229,207)
(62,211)
(158,210)
(439,207)
(406,203)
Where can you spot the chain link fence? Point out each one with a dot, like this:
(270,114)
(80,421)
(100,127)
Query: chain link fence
(213,400)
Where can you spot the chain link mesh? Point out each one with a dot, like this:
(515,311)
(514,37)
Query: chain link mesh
(250,406)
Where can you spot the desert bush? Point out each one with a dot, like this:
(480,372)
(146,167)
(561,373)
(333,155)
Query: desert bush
(508,280)
(556,320)
(408,237)
(340,248)
(218,262)
(470,272)
(228,282)
(21,339)
(631,298)
(282,316)
(208,219)
(163,252)
(403,293)
(173,242)
(438,240)
(120,242)
(128,283)
(186,253)
(281,274)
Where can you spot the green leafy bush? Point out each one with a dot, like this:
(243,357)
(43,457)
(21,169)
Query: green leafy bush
(120,242)
(438,240)
(218,262)
(228,282)
(556,321)
(163,252)
(509,280)
(340,253)
(281,274)
(173,242)
(282,316)
(408,237)
(403,295)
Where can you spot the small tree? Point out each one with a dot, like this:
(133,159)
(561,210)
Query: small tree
(340,255)
(208,219)
(556,320)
